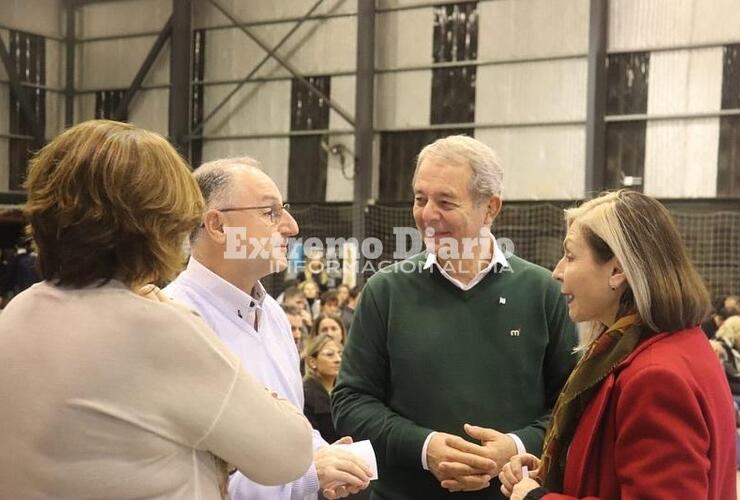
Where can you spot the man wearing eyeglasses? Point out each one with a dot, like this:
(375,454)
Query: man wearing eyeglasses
(243,238)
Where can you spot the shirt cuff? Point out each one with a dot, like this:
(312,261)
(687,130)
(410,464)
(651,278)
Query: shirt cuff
(310,482)
(520,449)
(424,451)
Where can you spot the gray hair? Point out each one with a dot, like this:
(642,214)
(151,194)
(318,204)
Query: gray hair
(215,178)
(488,177)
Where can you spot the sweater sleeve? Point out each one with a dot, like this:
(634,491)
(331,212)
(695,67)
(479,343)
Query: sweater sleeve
(255,431)
(359,401)
(558,363)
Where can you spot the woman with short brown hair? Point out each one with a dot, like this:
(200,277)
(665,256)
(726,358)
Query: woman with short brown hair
(108,394)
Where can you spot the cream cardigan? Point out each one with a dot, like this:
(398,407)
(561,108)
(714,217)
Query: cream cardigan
(105,394)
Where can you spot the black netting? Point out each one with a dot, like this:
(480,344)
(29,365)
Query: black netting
(535,232)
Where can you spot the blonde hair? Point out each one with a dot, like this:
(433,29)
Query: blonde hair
(312,350)
(664,287)
(730,331)
(110,200)
(488,177)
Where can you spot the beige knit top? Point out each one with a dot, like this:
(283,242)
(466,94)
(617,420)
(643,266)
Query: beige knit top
(106,394)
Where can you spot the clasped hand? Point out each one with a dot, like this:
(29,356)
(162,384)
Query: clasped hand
(460,465)
(340,472)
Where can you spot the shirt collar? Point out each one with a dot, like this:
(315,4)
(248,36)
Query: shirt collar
(499,261)
(235,300)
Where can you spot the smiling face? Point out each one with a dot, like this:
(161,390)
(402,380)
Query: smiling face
(587,283)
(445,205)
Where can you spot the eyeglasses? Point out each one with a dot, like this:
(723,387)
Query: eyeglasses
(275,213)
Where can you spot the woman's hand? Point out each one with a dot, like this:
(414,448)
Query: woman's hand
(512,473)
(152,292)
(522,488)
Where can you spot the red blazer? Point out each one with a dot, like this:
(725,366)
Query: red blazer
(661,426)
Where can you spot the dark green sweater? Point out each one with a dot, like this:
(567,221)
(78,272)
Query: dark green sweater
(423,355)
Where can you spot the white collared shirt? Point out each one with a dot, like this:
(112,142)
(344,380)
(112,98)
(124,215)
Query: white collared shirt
(498,259)
(256,329)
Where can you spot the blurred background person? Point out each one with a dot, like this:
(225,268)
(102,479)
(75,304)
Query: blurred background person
(347,312)
(293,296)
(732,304)
(295,318)
(330,302)
(715,320)
(315,271)
(117,392)
(311,294)
(322,358)
(727,346)
(332,326)
(342,294)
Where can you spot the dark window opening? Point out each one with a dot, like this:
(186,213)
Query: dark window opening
(107,102)
(398,153)
(627,83)
(455,32)
(453,95)
(307,161)
(731,77)
(28,55)
(625,154)
(308,110)
(728,168)
(307,164)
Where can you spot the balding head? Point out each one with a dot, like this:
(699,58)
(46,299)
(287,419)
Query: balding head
(216,181)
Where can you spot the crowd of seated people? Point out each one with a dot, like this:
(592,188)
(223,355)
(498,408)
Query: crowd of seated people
(722,327)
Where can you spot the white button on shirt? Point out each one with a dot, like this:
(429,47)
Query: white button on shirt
(256,329)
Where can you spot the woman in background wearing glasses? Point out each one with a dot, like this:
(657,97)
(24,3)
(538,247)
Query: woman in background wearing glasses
(323,358)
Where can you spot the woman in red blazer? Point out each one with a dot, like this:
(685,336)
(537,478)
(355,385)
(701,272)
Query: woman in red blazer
(647,412)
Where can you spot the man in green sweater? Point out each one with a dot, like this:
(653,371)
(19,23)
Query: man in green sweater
(459,334)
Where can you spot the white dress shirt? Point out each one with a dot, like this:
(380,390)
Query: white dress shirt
(256,329)
(498,259)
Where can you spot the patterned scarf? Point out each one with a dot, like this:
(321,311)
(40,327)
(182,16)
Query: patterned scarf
(605,353)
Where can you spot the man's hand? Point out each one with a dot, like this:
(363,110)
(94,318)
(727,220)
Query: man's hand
(458,464)
(511,473)
(498,447)
(340,472)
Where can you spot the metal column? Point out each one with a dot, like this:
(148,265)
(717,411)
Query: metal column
(180,75)
(364,107)
(596,105)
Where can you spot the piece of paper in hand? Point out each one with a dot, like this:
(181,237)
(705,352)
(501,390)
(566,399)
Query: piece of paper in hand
(365,451)
(525,472)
